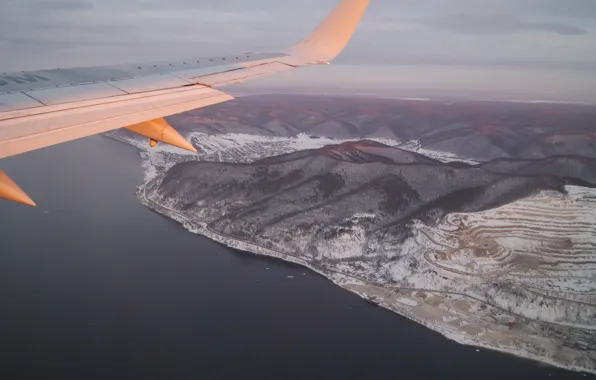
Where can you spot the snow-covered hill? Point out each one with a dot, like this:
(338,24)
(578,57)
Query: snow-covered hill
(476,220)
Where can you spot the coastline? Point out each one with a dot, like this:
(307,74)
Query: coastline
(352,284)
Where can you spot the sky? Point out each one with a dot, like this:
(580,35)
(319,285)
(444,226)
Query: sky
(548,45)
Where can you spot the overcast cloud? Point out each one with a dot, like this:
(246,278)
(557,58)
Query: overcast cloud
(542,34)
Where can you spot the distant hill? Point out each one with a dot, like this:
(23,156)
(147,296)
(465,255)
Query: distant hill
(478,130)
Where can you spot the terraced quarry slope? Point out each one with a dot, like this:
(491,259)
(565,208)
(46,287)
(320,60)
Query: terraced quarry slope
(542,247)
(534,259)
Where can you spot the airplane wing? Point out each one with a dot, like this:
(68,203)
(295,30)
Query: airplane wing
(47,107)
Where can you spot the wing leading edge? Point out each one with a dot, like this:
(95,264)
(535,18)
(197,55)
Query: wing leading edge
(47,107)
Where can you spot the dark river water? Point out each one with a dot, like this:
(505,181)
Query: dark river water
(93,285)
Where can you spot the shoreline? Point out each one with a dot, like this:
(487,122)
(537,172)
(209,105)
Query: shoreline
(345,282)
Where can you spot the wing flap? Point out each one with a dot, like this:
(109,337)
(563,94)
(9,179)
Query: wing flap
(16,101)
(60,95)
(149,83)
(22,134)
(23,113)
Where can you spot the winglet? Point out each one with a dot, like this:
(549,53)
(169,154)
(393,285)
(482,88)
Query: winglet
(333,34)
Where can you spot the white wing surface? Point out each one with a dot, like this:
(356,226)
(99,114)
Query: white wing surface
(47,107)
